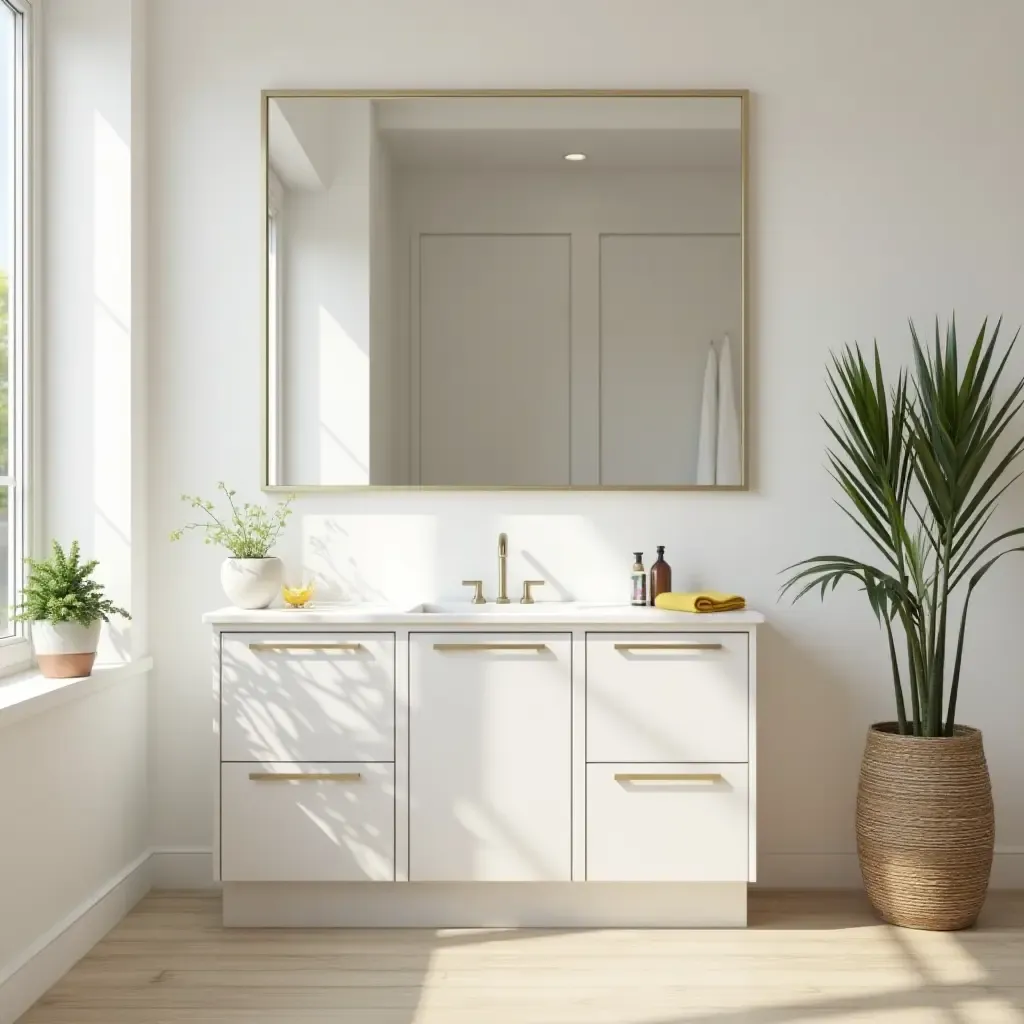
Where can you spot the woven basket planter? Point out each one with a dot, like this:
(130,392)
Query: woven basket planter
(925,827)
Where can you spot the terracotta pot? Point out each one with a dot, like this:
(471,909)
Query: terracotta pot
(925,827)
(251,582)
(65,650)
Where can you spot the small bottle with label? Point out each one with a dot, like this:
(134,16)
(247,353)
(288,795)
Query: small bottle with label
(639,580)
(661,576)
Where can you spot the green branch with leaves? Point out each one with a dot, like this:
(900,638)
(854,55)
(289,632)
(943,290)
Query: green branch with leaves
(245,530)
(921,466)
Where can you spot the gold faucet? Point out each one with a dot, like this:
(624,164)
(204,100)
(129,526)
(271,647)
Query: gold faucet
(502,569)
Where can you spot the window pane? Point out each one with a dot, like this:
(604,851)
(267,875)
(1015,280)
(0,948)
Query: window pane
(8,65)
(10,285)
(5,564)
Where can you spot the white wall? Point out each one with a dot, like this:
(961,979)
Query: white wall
(325,347)
(343,391)
(74,779)
(92,434)
(74,794)
(884,183)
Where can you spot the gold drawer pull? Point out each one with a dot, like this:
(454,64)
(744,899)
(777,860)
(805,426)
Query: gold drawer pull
(305,776)
(449,648)
(669,777)
(260,647)
(668,647)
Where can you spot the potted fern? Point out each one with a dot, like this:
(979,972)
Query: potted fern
(251,577)
(66,609)
(921,465)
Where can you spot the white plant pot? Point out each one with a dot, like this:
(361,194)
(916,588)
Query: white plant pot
(252,582)
(65,650)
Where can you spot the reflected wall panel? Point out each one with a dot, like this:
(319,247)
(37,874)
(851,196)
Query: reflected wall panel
(494,336)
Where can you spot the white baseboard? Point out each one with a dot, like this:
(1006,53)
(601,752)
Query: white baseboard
(1008,868)
(188,867)
(841,871)
(808,871)
(29,975)
(182,867)
(485,905)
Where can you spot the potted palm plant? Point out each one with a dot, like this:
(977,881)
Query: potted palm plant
(67,609)
(251,577)
(922,465)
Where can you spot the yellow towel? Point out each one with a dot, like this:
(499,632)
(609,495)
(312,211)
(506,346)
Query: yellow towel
(702,601)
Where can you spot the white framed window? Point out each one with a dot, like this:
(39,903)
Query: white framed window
(15,316)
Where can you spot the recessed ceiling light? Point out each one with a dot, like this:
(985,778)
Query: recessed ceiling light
(575,156)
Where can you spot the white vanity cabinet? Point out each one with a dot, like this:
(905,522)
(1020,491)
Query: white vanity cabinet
(558,766)
(490,757)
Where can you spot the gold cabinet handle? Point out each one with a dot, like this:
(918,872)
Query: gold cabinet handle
(528,586)
(267,647)
(668,647)
(478,590)
(669,777)
(305,776)
(452,648)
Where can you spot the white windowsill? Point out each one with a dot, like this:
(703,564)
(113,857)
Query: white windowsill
(29,693)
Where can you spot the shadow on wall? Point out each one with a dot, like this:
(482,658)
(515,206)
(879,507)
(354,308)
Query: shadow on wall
(338,577)
(557,591)
(108,537)
(382,558)
(811,722)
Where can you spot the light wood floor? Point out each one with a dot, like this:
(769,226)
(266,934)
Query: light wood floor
(806,957)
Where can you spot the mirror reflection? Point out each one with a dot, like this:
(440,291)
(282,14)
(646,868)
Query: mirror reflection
(504,291)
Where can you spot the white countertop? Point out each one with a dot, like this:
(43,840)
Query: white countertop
(452,613)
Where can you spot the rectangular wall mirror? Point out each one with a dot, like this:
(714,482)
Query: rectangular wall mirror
(504,290)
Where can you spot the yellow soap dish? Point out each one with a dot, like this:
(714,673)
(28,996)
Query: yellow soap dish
(298,597)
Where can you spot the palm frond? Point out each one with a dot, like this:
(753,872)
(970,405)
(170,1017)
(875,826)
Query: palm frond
(919,476)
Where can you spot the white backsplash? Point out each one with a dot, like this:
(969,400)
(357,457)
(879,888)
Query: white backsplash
(408,557)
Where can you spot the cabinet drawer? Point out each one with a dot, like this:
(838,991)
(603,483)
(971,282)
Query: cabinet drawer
(667,823)
(667,697)
(307,822)
(308,697)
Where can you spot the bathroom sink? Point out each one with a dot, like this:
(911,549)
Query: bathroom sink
(554,609)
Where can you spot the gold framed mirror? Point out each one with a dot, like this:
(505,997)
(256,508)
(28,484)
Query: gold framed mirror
(519,290)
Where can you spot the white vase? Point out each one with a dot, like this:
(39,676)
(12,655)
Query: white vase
(65,650)
(252,582)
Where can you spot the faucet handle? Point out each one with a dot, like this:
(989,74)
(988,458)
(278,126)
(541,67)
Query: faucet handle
(528,585)
(478,590)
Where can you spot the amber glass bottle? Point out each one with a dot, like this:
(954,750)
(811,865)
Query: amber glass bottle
(661,576)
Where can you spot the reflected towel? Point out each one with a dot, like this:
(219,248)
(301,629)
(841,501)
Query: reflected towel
(727,447)
(707,441)
(701,601)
